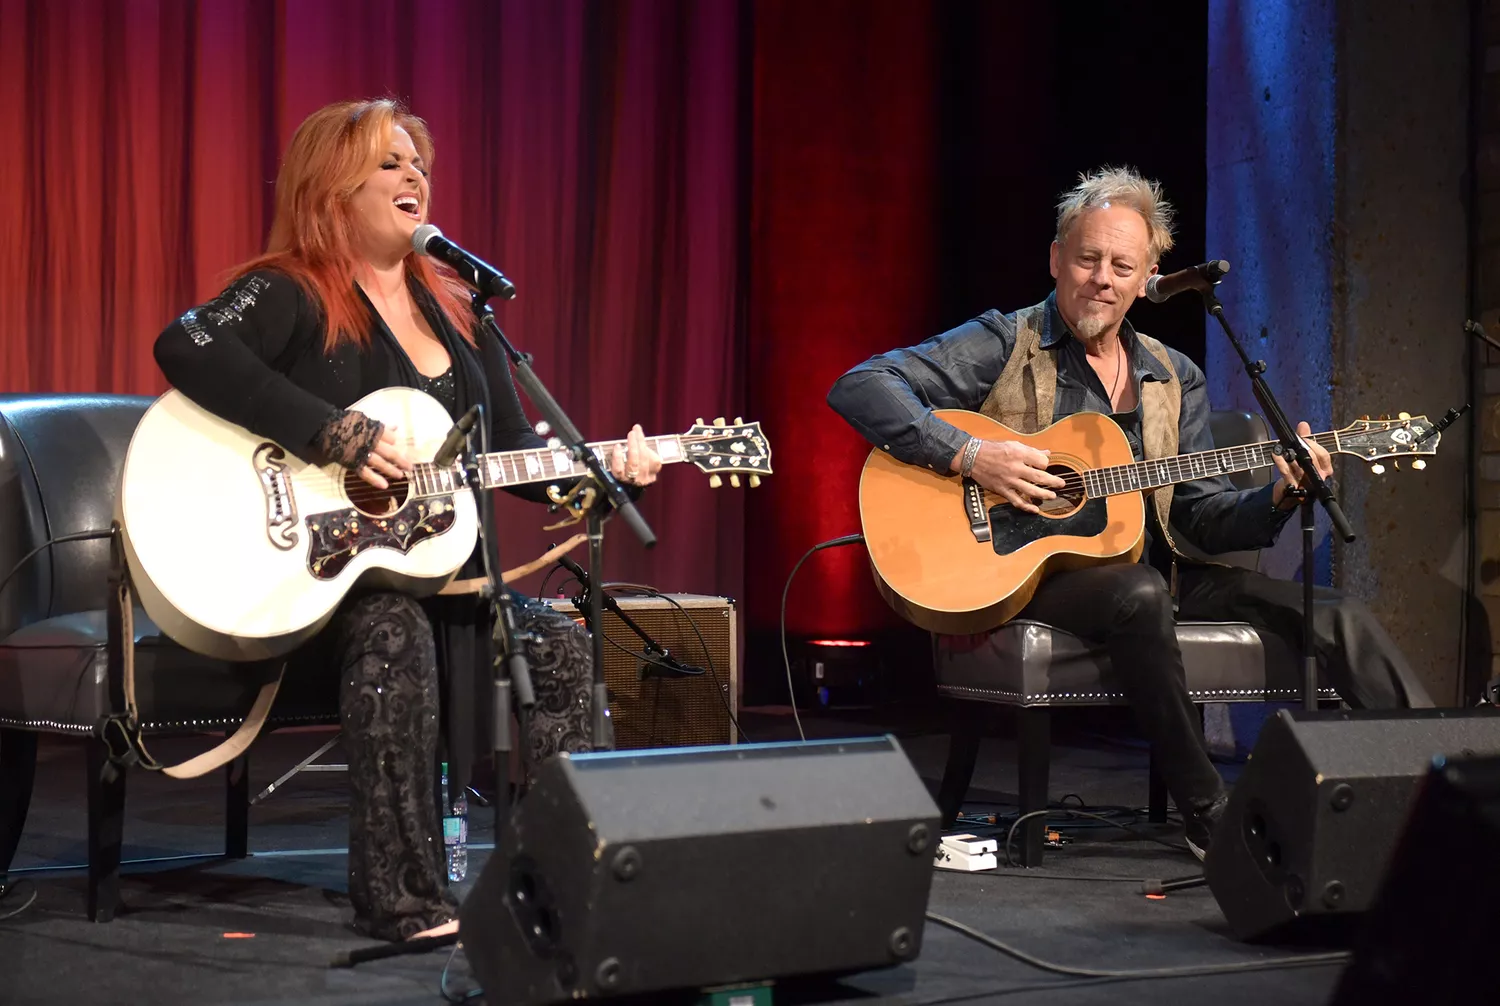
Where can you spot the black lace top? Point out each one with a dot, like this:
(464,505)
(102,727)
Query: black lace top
(443,388)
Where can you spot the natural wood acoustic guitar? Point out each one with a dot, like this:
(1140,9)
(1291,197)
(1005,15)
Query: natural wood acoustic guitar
(953,557)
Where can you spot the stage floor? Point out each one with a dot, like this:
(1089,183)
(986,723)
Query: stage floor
(264,929)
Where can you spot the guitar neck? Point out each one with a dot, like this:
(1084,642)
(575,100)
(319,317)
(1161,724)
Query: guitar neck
(1187,467)
(512,468)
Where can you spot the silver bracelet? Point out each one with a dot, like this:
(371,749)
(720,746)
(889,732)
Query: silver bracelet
(971,454)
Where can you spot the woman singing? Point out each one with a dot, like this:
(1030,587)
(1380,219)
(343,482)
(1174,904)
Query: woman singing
(338,307)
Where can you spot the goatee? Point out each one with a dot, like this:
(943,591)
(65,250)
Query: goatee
(1089,329)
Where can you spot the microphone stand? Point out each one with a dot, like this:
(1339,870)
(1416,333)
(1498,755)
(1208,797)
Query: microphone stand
(618,498)
(511,670)
(649,646)
(1315,490)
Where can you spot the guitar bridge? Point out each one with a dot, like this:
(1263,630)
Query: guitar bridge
(979,518)
(281,505)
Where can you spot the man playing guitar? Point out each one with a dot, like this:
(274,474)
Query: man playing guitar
(1077,353)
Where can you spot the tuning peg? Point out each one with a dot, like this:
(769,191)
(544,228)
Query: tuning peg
(1403,415)
(714,481)
(1377,469)
(1364,418)
(1384,416)
(739,421)
(755,480)
(698,421)
(1396,464)
(719,421)
(734,480)
(1419,464)
(543,428)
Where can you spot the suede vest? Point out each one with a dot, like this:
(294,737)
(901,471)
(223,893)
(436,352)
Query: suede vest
(1023,399)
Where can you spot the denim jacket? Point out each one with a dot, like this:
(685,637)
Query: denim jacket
(890,400)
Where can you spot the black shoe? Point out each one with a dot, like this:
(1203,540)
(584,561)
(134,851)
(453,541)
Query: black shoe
(1200,824)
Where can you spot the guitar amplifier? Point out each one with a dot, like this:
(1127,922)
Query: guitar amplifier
(650,710)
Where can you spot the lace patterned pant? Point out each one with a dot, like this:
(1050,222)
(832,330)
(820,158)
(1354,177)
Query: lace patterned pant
(388,702)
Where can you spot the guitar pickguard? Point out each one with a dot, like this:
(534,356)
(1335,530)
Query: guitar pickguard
(340,535)
(1012,528)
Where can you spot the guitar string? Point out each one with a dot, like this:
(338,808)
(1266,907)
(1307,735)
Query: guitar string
(1080,482)
(364,493)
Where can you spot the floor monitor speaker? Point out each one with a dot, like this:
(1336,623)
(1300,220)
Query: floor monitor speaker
(639,872)
(1306,839)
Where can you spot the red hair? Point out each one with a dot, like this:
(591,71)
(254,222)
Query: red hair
(312,236)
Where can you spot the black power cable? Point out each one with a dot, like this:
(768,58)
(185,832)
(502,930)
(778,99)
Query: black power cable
(5,892)
(1184,971)
(60,539)
(791,691)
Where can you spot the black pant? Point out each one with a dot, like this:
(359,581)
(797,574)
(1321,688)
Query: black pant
(388,702)
(1128,608)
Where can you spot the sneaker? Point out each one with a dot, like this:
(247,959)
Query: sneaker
(1200,824)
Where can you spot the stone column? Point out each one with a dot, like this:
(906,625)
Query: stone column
(1487,301)
(1337,149)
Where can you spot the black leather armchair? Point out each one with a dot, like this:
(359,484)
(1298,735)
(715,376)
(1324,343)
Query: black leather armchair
(1036,668)
(60,461)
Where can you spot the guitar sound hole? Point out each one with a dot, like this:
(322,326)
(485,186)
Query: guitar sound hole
(373,502)
(1069,498)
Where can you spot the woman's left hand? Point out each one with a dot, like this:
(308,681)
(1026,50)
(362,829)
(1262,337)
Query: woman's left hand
(637,464)
(1291,472)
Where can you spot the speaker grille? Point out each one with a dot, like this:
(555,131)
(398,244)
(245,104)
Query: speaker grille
(671,712)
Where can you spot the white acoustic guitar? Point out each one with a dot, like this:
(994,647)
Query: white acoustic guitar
(241,551)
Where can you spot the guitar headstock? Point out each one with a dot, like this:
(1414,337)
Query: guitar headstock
(735,449)
(1376,440)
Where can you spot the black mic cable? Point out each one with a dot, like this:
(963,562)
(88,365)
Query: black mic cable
(791,691)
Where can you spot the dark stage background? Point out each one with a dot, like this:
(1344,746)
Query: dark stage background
(710,208)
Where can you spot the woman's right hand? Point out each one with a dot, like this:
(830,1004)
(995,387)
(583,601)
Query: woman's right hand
(1015,471)
(385,461)
(364,446)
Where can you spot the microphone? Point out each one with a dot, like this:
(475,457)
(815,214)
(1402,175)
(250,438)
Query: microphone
(1202,278)
(670,667)
(662,664)
(472,269)
(579,573)
(455,439)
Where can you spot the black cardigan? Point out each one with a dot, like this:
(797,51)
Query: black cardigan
(254,355)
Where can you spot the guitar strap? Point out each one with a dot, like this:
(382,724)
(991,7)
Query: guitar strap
(122,732)
(1024,398)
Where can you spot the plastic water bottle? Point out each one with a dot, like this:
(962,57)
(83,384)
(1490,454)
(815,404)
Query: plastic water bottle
(455,831)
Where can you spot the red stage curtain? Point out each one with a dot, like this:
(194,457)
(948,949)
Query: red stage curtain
(842,266)
(711,207)
(592,150)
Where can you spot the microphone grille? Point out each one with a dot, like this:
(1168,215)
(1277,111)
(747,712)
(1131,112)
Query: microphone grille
(422,235)
(1152,294)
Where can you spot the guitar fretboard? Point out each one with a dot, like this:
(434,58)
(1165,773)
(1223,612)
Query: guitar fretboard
(1187,467)
(510,468)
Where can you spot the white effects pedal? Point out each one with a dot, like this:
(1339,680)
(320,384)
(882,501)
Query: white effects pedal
(966,853)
